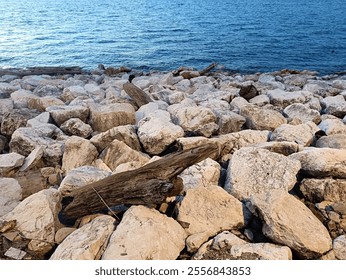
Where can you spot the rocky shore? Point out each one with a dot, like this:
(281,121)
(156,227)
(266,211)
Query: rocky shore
(275,189)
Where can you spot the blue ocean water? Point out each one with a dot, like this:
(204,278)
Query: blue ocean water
(242,35)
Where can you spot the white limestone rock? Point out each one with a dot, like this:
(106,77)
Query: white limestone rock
(75,126)
(302,134)
(157,132)
(283,98)
(203,174)
(78,152)
(210,210)
(71,92)
(22,97)
(105,117)
(322,162)
(147,109)
(41,119)
(254,171)
(80,177)
(123,133)
(61,114)
(261,119)
(118,152)
(10,195)
(32,159)
(9,162)
(260,100)
(145,234)
(37,216)
(260,251)
(334,105)
(301,112)
(88,242)
(333,126)
(194,120)
(339,247)
(289,222)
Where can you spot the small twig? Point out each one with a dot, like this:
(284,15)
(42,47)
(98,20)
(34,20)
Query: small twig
(104,202)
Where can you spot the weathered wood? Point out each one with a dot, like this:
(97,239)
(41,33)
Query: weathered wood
(138,95)
(150,184)
(207,69)
(41,71)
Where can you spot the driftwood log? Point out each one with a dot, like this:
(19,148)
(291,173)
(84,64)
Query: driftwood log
(148,185)
(41,71)
(138,95)
(207,69)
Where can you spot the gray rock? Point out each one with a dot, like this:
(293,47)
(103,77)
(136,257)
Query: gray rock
(157,132)
(248,92)
(123,133)
(203,174)
(145,234)
(335,141)
(118,152)
(78,152)
(15,254)
(76,127)
(328,189)
(339,83)
(15,119)
(283,98)
(32,159)
(260,100)
(6,106)
(254,171)
(334,105)
(147,109)
(261,119)
(22,97)
(260,251)
(72,92)
(80,177)
(339,247)
(88,242)
(10,162)
(61,114)
(301,112)
(322,162)
(302,134)
(289,222)
(105,117)
(194,120)
(333,126)
(10,195)
(43,118)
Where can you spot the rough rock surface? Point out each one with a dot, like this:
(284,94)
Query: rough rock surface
(261,119)
(75,126)
(105,117)
(302,113)
(333,126)
(283,98)
(61,114)
(339,246)
(210,210)
(289,222)
(145,234)
(10,195)
(78,152)
(335,141)
(80,177)
(118,152)
(87,242)
(322,162)
(255,171)
(9,162)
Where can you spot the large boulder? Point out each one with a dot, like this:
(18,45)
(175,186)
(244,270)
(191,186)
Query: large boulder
(289,222)
(253,171)
(10,162)
(145,234)
(80,177)
(283,98)
(157,132)
(76,127)
(10,195)
(302,134)
(334,105)
(37,218)
(88,242)
(302,112)
(118,152)
(262,119)
(123,133)
(322,162)
(42,103)
(203,174)
(328,189)
(209,210)
(15,119)
(61,114)
(105,117)
(333,126)
(22,97)
(78,152)
(335,141)
(195,120)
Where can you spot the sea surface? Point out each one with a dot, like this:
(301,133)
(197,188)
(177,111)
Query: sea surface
(241,35)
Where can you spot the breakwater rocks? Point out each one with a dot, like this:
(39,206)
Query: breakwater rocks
(180,165)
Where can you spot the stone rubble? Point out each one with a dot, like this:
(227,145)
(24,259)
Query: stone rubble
(276,188)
